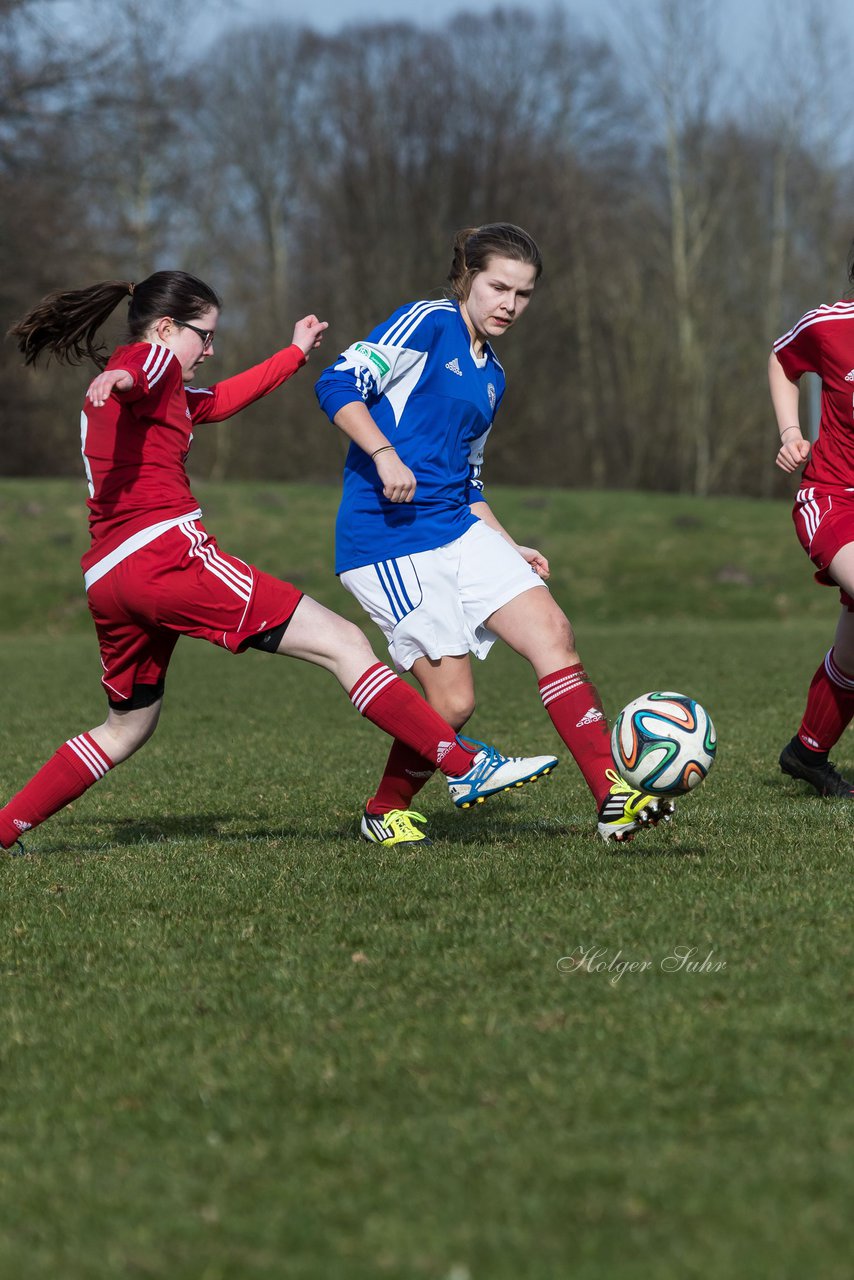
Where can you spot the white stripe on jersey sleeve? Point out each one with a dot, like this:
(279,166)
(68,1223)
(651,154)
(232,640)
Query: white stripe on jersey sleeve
(405,325)
(388,367)
(156,363)
(837,311)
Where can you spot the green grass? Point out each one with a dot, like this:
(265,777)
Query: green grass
(238,1043)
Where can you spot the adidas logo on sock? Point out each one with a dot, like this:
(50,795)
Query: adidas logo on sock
(590,717)
(849,377)
(21,826)
(442,750)
(454,366)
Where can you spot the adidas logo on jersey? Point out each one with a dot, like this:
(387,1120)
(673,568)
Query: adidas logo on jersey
(454,366)
(849,377)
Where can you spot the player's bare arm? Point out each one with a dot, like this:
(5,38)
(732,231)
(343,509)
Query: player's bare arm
(398,481)
(785,395)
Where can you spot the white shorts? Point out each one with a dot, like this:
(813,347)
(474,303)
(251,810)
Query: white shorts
(433,604)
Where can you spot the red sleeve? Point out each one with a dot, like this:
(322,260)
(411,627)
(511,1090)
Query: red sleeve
(799,350)
(223,399)
(155,372)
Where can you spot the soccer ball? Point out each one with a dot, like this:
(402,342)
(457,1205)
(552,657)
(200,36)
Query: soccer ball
(663,743)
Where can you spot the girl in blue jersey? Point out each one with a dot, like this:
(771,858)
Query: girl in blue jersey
(419,546)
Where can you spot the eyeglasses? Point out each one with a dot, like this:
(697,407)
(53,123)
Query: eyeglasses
(206,335)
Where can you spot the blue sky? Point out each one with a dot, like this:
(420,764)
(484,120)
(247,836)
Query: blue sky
(329,15)
(756,66)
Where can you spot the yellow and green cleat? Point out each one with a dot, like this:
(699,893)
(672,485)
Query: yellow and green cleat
(395,827)
(625,811)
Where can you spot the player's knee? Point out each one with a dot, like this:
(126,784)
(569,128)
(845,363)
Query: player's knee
(558,637)
(352,639)
(564,633)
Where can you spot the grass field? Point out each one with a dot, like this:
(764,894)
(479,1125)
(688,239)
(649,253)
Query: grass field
(239,1043)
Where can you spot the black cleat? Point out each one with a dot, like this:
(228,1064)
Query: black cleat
(824,777)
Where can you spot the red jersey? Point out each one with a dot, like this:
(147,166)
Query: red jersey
(822,342)
(135,445)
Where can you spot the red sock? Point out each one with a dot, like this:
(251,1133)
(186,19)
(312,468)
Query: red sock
(406,772)
(575,707)
(71,771)
(394,706)
(830,707)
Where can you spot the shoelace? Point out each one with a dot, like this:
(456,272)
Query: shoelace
(490,755)
(619,786)
(409,814)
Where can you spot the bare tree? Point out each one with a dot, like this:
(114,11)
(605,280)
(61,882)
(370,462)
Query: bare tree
(675,54)
(300,171)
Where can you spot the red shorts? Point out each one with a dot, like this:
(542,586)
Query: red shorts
(179,584)
(824,522)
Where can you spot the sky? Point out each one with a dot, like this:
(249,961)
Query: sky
(741,16)
(330,15)
(763,43)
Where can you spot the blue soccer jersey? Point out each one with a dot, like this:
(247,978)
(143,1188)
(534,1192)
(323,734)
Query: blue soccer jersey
(435,401)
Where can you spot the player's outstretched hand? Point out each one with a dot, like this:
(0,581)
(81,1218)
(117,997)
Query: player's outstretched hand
(793,454)
(308,333)
(398,481)
(110,380)
(536,560)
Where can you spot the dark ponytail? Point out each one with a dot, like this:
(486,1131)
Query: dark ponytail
(65,324)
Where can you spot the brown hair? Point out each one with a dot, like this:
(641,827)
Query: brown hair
(474,246)
(65,323)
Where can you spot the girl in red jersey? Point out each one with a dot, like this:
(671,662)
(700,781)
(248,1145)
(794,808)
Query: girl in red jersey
(154,573)
(822,342)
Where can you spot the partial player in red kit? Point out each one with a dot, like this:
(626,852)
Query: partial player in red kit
(822,342)
(154,573)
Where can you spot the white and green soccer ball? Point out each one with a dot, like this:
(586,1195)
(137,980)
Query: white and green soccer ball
(664,743)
